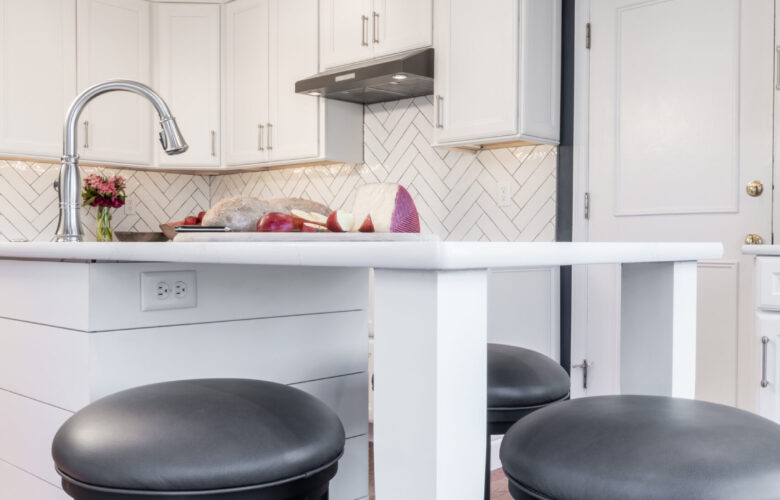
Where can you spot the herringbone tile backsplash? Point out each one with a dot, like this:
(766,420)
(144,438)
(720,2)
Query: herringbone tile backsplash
(28,203)
(457,193)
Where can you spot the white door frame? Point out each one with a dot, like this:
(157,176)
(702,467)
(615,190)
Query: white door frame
(579,291)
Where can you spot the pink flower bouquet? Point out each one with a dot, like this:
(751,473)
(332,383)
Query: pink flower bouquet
(102,191)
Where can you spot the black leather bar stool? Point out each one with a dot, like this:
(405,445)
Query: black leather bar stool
(211,439)
(520,381)
(642,447)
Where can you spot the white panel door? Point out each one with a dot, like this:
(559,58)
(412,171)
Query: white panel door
(187,77)
(37,74)
(345,32)
(113,42)
(469,34)
(246,81)
(293,128)
(681,97)
(399,25)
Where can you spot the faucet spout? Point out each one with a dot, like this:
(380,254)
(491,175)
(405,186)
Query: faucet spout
(69,184)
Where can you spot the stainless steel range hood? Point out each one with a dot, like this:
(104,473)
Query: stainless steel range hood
(387,79)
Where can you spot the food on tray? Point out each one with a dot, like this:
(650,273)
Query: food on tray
(311,217)
(287,205)
(240,213)
(340,221)
(385,208)
(308,227)
(381,208)
(278,222)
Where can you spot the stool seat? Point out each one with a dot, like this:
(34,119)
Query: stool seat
(519,379)
(642,447)
(198,435)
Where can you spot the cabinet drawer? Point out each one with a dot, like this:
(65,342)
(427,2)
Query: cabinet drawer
(768,283)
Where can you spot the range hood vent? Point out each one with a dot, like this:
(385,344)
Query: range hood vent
(387,79)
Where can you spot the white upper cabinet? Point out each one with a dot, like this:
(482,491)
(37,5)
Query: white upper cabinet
(113,43)
(497,72)
(293,118)
(269,45)
(344,32)
(187,69)
(37,74)
(359,30)
(399,25)
(246,81)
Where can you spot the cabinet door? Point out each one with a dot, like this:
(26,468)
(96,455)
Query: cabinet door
(246,81)
(345,32)
(399,25)
(476,74)
(37,74)
(187,77)
(113,42)
(294,119)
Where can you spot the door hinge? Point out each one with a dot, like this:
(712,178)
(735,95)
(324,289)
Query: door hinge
(586,206)
(587,35)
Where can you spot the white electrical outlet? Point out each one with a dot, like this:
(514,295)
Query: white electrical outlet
(168,290)
(504,194)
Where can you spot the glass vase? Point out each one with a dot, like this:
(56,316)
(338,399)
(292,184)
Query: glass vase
(104,232)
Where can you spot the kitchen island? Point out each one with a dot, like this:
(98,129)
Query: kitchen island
(74,327)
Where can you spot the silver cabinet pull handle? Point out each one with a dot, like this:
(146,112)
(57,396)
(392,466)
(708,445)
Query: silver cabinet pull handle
(260,138)
(777,67)
(764,342)
(364,34)
(375,15)
(270,136)
(437,104)
(86,134)
(213,143)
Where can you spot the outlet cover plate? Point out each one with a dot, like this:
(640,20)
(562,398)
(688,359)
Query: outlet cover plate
(150,301)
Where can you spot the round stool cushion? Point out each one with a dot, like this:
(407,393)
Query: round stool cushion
(520,378)
(206,434)
(642,447)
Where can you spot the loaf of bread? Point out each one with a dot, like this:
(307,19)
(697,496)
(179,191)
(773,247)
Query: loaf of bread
(239,213)
(287,205)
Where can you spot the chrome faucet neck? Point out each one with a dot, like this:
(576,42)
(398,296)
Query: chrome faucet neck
(69,185)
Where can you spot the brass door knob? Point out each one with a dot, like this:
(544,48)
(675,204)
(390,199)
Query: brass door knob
(755,188)
(754,239)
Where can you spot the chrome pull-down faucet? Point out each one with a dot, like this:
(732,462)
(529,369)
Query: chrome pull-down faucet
(69,183)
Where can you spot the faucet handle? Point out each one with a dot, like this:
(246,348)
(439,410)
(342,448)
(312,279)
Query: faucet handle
(56,185)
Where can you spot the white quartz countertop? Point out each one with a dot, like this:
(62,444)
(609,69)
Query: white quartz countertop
(395,255)
(761,249)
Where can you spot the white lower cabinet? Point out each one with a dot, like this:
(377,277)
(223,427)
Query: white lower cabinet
(767,348)
(497,74)
(37,75)
(186,39)
(113,42)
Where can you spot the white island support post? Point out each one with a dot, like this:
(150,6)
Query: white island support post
(430,364)
(658,329)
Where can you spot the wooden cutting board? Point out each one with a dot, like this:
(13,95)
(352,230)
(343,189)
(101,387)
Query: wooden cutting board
(296,237)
